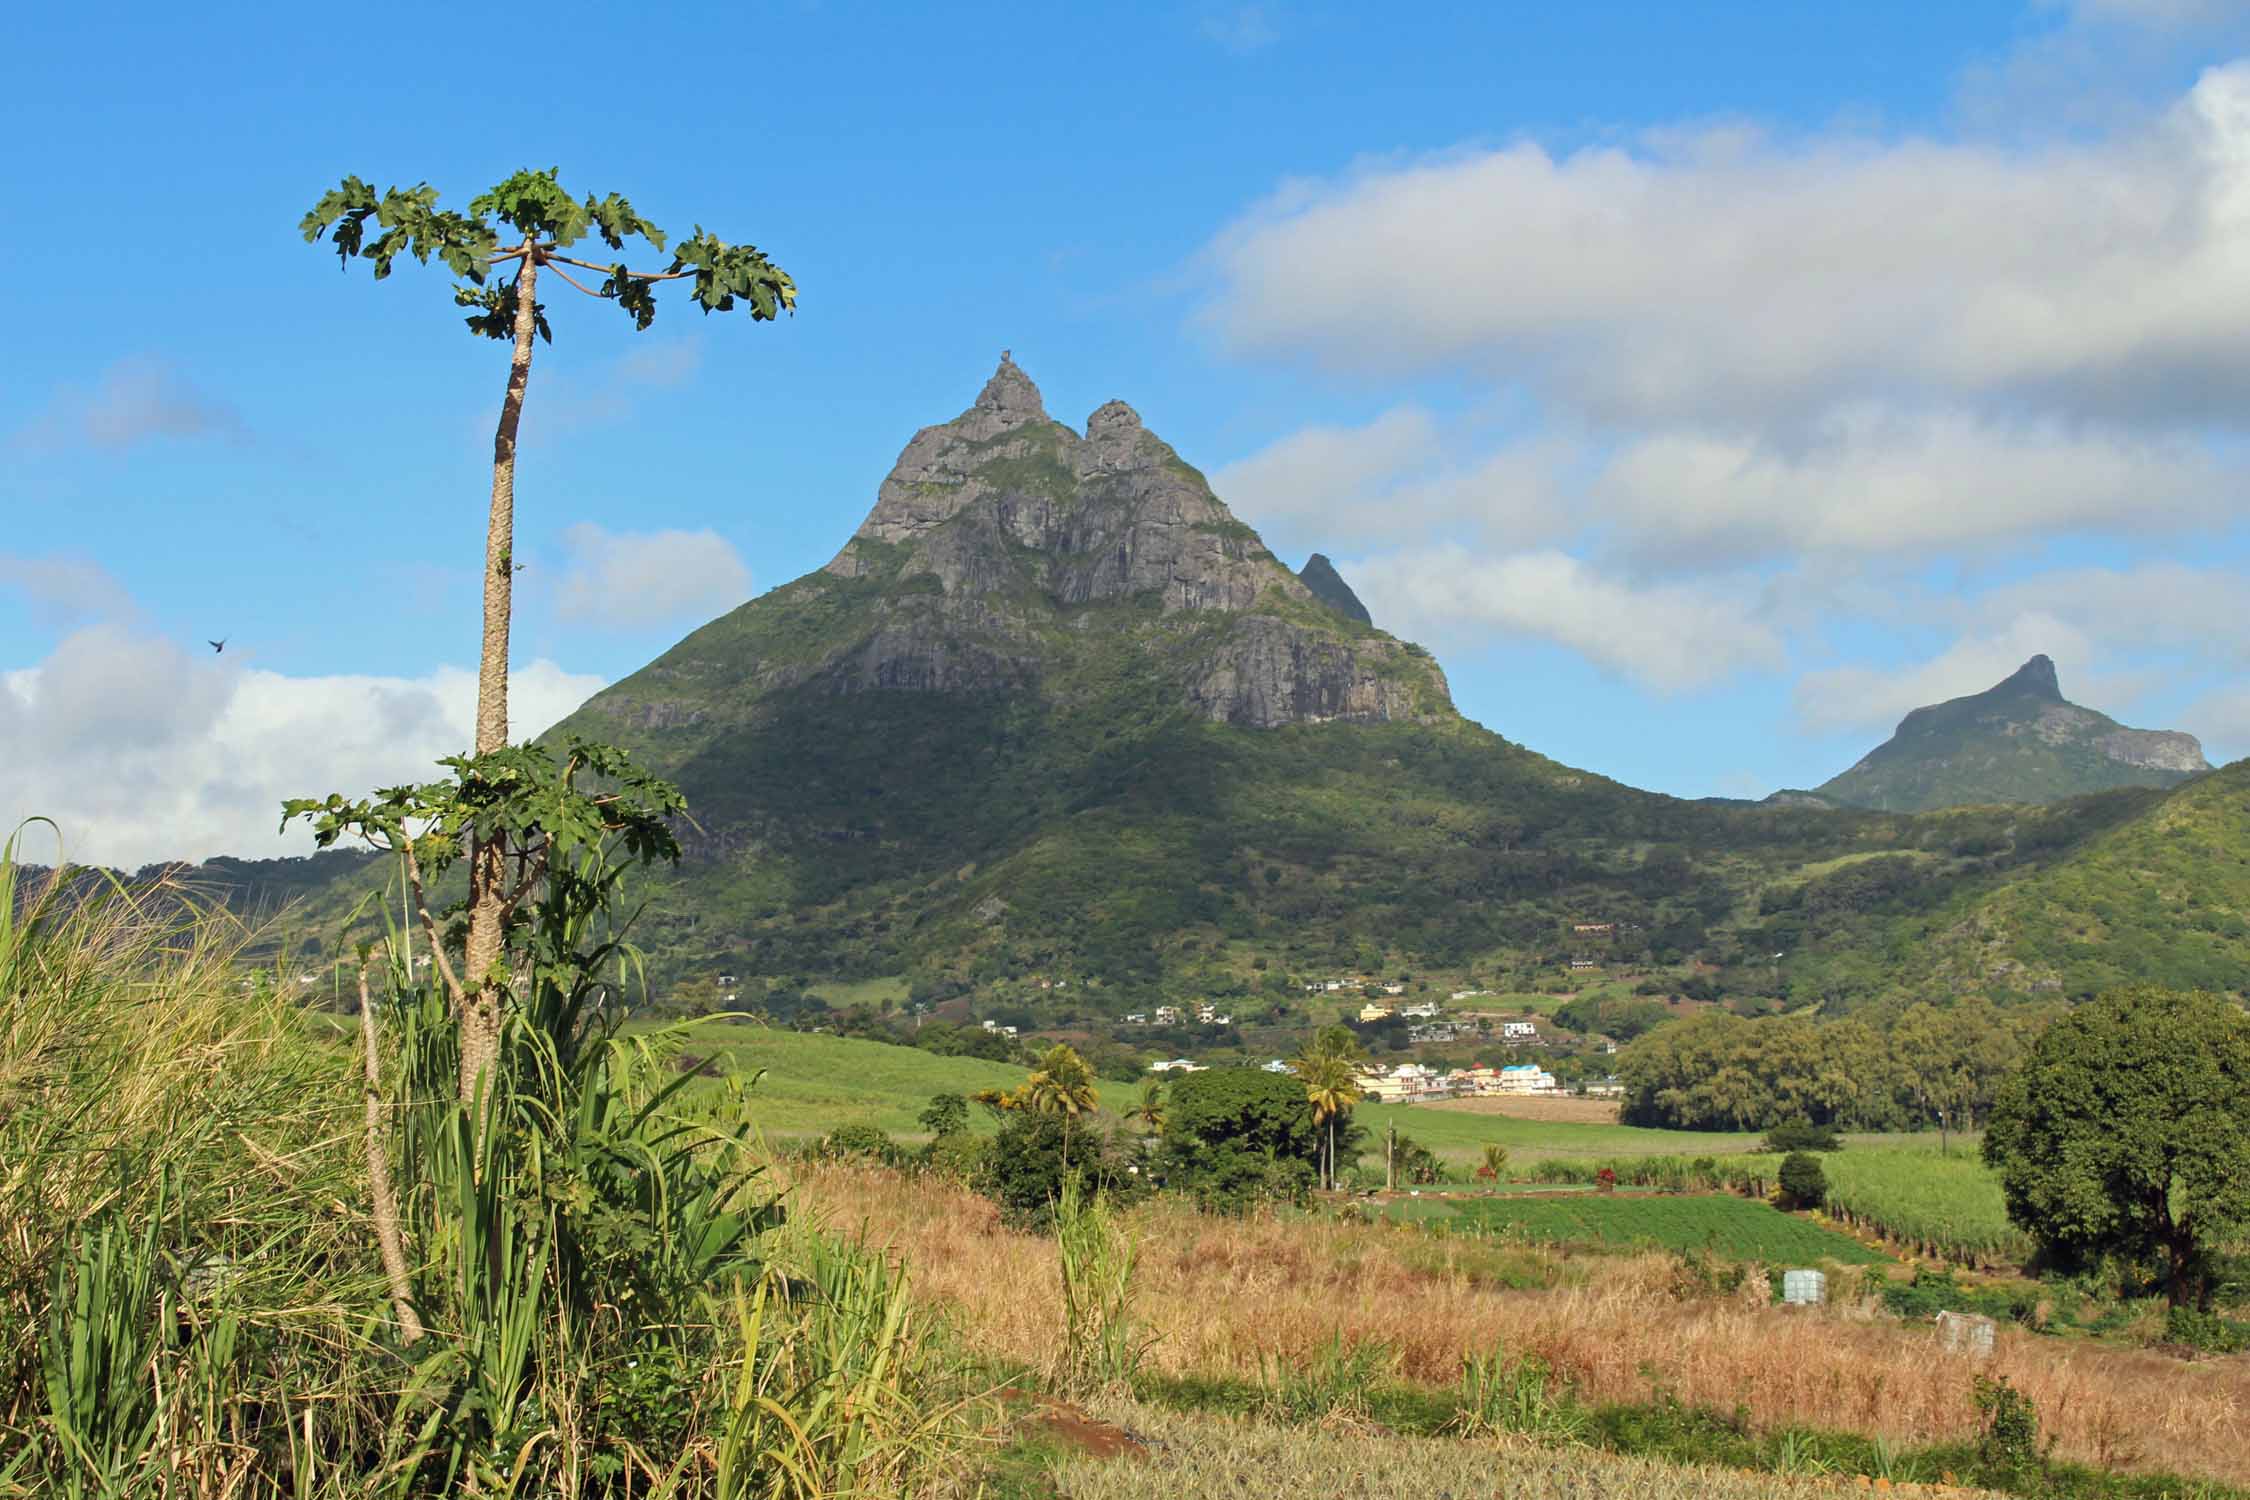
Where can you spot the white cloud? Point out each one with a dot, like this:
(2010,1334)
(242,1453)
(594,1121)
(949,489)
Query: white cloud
(1871,481)
(1397,478)
(1670,637)
(142,751)
(1715,276)
(134,399)
(2160,606)
(634,579)
(1859,697)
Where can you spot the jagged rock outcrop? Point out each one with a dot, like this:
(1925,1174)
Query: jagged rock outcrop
(2018,741)
(1328,586)
(996,532)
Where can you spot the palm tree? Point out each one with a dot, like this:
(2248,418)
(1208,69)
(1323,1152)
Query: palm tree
(1331,1082)
(999,1101)
(1149,1113)
(1333,1088)
(1495,1160)
(1061,1085)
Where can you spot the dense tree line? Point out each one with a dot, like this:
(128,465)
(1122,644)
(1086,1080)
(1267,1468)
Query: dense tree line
(1930,1067)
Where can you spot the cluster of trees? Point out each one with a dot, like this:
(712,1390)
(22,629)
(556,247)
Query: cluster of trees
(1930,1066)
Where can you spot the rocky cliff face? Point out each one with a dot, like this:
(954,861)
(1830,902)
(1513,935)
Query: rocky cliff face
(2018,741)
(1001,539)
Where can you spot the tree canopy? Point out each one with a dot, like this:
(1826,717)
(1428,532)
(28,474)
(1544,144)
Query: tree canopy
(2124,1135)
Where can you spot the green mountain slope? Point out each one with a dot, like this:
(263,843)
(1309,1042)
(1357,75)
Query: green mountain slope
(2018,741)
(2164,897)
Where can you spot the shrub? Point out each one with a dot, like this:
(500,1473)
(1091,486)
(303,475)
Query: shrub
(2206,1331)
(958,1158)
(2007,1432)
(1802,1135)
(1023,1169)
(1803,1180)
(861,1143)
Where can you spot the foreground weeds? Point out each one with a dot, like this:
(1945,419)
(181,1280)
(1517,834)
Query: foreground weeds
(1616,1331)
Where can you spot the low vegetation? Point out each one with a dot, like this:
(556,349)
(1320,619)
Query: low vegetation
(1719,1224)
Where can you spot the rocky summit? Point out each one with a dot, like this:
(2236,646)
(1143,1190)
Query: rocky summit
(2018,741)
(1008,553)
(1328,586)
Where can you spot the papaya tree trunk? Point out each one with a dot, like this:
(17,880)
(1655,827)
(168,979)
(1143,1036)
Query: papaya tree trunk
(486,995)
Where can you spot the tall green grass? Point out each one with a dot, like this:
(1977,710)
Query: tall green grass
(191,1299)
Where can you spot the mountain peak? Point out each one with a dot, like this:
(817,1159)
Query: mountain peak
(1010,392)
(2019,740)
(1328,586)
(2035,677)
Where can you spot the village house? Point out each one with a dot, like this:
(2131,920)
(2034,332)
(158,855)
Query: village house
(1605,1088)
(1408,1083)
(1518,1031)
(1002,1030)
(1526,1078)
(1372,1011)
(1167,1015)
(1175,1065)
(1426,1011)
(1593,929)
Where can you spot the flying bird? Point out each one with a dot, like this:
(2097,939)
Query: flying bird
(218,645)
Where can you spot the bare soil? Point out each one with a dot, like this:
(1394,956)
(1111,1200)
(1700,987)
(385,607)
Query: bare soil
(1567,1109)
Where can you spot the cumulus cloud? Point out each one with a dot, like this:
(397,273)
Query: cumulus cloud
(1397,477)
(142,751)
(1871,481)
(132,401)
(2159,606)
(1718,276)
(631,579)
(1669,637)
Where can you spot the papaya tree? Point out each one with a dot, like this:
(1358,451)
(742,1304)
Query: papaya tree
(498,250)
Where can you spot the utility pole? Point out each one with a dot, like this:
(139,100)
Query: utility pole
(1390,1158)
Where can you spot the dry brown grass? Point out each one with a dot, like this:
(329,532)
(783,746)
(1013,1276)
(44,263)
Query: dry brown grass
(1566,1109)
(1196,1456)
(1216,1295)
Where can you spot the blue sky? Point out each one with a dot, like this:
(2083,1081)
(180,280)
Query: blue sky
(1706,384)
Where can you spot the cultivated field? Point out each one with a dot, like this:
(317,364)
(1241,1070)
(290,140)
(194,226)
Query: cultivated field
(1946,1205)
(1553,1109)
(812,1084)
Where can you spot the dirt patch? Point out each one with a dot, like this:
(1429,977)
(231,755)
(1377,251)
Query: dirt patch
(1072,1426)
(1568,1109)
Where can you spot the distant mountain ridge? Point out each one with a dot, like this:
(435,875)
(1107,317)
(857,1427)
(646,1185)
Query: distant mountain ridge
(1052,712)
(2018,741)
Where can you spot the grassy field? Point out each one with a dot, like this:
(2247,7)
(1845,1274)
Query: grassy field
(845,993)
(1739,1228)
(812,1084)
(1945,1205)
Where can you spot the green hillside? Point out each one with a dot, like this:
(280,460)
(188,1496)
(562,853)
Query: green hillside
(2163,898)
